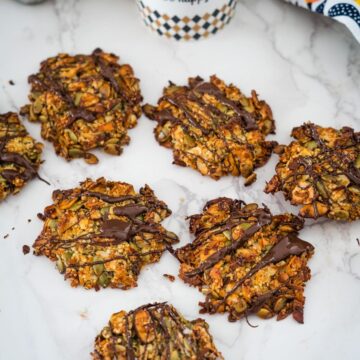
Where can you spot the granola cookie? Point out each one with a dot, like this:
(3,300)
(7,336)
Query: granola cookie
(214,128)
(155,332)
(84,102)
(320,171)
(102,233)
(20,155)
(246,261)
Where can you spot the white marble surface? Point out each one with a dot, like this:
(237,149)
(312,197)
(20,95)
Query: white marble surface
(305,66)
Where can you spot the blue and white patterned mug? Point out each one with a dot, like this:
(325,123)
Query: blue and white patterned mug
(186,19)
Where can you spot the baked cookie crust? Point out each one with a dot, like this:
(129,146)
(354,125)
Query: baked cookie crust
(246,261)
(320,171)
(214,128)
(20,155)
(155,332)
(102,233)
(84,102)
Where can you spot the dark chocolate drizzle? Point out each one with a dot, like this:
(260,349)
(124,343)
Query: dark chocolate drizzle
(47,83)
(245,118)
(131,211)
(336,157)
(105,69)
(116,229)
(28,173)
(199,87)
(263,218)
(287,245)
(157,313)
(180,102)
(110,199)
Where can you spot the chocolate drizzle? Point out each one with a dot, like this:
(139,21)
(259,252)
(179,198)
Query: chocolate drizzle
(105,69)
(127,219)
(328,160)
(199,87)
(47,83)
(287,246)
(109,198)
(131,211)
(28,173)
(263,218)
(245,118)
(170,331)
(225,262)
(180,102)
(116,229)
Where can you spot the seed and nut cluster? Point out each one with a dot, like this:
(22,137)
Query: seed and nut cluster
(214,128)
(20,155)
(246,261)
(102,233)
(155,332)
(320,171)
(84,102)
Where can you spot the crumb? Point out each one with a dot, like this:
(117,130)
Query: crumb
(11,82)
(41,216)
(26,249)
(358,241)
(6,236)
(84,314)
(13,228)
(29,220)
(169,277)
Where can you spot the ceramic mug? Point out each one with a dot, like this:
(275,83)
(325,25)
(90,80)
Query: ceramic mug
(186,19)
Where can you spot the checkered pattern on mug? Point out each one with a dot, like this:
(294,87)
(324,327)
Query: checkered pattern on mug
(187,28)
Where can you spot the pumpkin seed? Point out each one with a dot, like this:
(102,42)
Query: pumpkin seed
(357,162)
(91,159)
(71,135)
(104,279)
(264,313)
(279,304)
(311,145)
(227,234)
(321,189)
(98,268)
(75,153)
(60,266)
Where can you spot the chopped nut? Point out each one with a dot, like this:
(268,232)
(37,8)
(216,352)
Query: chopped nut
(169,277)
(26,249)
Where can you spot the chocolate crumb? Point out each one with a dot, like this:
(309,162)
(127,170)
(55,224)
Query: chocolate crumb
(26,249)
(41,216)
(11,82)
(13,228)
(358,241)
(169,277)
(6,236)
(29,220)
